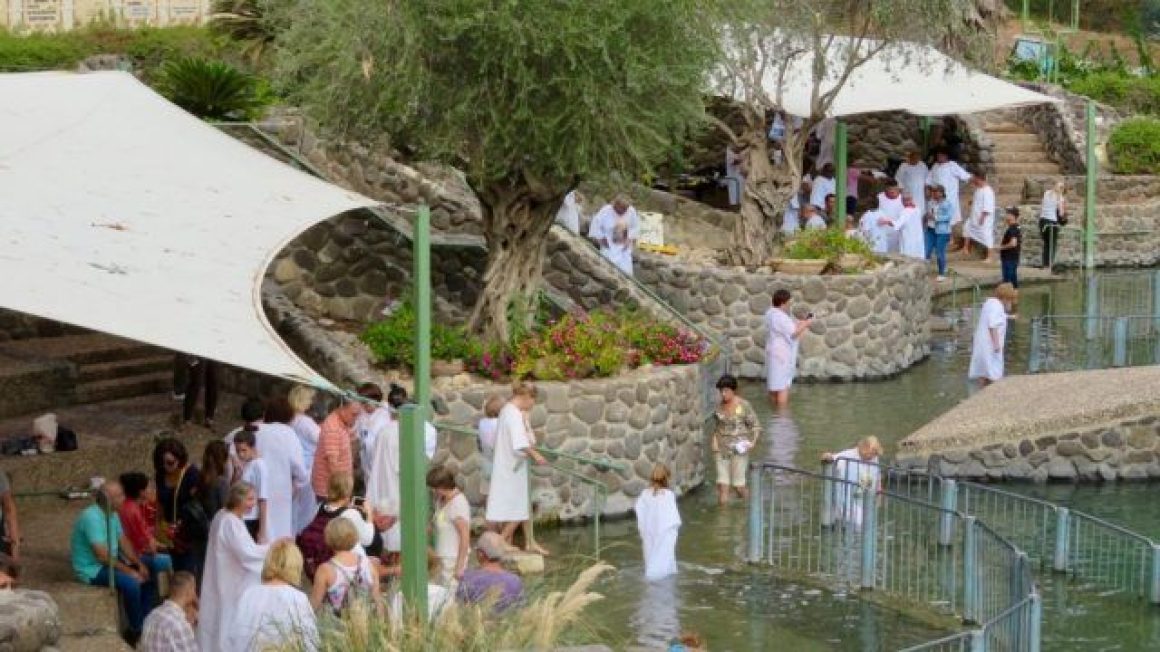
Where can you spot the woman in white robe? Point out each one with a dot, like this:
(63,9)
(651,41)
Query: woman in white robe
(233,563)
(658,521)
(279,448)
(857,472)
(275,614)
(990,336)
(568,215)
(912,175)
(307,429)
(981,226)
(890,206)
(781,347)
(508,503)
(382,484)
(909,226)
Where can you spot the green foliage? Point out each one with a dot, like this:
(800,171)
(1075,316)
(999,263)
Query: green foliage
(247,24)
(525,315)
(600,344)
(392,340)
(1127,92)
(1134,146)
(147,47)
(213,90)
(827,244)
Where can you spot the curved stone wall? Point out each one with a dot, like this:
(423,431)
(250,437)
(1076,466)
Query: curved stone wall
(869,325)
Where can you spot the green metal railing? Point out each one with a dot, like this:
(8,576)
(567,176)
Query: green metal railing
(1093,341)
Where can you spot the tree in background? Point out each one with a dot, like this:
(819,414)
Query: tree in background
(767,39)
(526,98)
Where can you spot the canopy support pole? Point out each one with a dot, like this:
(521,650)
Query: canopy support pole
(1089,203)
(839,216)
(413,462)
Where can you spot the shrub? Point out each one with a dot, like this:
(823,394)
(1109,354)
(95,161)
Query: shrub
(1134,147)
(213,90)
(392,340)
(147,47)
(1123,91)
(827,244)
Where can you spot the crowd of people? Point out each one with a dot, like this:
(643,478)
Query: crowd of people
(288,519)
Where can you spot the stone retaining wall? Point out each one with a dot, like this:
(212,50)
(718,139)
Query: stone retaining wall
(869,325)
(1128,235)
(875,137)
(1062,126)
(1124,450)
(1110,189)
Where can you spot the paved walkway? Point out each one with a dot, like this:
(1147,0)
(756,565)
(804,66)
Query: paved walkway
(1022,407)
(970,272)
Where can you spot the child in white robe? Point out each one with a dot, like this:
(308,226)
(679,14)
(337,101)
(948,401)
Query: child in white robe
(257,474)
(990,336)
(659,521)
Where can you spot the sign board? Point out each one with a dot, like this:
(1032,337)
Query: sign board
(652,229)
(63,15)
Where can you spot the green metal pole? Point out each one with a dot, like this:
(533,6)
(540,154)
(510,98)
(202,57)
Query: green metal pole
(1089,203)
(413,463)
(839,215)
(1026,12)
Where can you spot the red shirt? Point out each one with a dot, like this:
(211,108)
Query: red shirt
(137,528)
(333,439)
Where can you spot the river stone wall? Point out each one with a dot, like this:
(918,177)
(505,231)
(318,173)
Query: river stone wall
(1128,235)
(875,137)
(869,325)
(1124,450)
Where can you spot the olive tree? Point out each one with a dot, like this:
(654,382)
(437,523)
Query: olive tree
(526,98)
(767,45)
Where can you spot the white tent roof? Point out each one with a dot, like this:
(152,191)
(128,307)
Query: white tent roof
(907,77)
(122,213)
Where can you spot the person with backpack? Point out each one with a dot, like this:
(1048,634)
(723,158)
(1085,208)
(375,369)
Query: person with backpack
(312,540)
(348,575)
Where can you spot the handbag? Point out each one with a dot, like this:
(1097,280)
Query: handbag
(1060,217)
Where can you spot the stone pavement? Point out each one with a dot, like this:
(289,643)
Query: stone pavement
(972,272)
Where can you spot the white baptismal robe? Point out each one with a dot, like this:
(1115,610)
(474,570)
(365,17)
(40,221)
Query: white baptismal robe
(982,206)
(383,479)
(658,520)
(909,227)
(286,477)
(305,502)
(986,362)
(233,563)
(859,476)
(874,233)
(507,500)
(892,210)
(912,178)
(618,249)
(949,175)
(273,617)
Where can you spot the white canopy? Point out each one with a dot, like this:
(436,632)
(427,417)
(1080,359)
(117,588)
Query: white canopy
(907,77)
(124,214)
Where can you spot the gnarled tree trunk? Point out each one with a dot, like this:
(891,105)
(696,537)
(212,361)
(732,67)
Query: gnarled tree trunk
(516,222)
(763,199)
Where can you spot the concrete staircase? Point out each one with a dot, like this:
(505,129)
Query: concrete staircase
(85,368)
(1018,154)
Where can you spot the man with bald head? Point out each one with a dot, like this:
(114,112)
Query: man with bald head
(98,542)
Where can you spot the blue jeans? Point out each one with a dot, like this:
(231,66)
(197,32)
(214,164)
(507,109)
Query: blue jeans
(1011,272)
(159,563)
(928,241)
(138,597)
(941,240)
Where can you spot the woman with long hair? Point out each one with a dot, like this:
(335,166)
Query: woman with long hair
(183,524)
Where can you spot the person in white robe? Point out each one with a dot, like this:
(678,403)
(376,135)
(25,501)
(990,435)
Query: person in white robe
(783,335)
(568,215)
(856,471)
(981,226)
(874,227)
(949,174)
(508,503)
(616,228)
(912,176)
(890,206)
(991,336)
(233,563)
(658,521)
(275,614)
(370,423)
(825,132)
(791,219)
(286,475)
(813,220)
(307,430)
(382,484)
(734,179)
(911,241)
(823,184)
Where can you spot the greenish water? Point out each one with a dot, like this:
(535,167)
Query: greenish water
(737,607)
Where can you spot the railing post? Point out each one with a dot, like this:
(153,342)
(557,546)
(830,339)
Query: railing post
(1034,636)
(840,178)
(827,494)
(1062,541)
(1033,361)
(978,641)
(970,570)
(869,537)
(947,501)
(755,525)
(1091,301)
(1156,300)
(1089,204)
(1154,592)
(1120,342)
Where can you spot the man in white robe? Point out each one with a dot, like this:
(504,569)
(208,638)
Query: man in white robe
(909,227)
(825,133)
(286,476)
(658,521)
(981,226)
(890,206)
(949,175)
(568,214)
(233,564)
(367,427)
(823,184)
(912,175)
(383,479)
(508,503)
(616,228)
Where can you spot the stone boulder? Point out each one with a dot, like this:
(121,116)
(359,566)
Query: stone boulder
(29,621)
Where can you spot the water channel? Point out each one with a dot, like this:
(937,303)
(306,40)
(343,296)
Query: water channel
(738,607)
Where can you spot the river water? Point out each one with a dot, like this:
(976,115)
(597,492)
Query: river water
(733,606)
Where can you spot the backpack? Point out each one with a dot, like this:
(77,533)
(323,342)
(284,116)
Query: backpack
(312,541)
(66,440)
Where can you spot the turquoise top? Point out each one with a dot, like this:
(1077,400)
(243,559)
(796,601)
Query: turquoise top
(93,528)
(944,211)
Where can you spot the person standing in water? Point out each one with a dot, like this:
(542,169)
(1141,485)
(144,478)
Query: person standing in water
(658,521)
(735,433)
(781,347)
(990,336)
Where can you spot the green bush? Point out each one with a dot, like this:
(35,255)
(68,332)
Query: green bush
(147,47)
(1134,147)
(827,244)
(213,90)
(1123,91)
(392,340)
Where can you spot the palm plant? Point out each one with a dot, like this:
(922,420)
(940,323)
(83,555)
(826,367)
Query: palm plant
(212,90)
(246,22)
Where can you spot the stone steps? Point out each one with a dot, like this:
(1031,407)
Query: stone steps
(89,348)
(127,387)
(1016,142)
(100,371)
(1025,169)
(1010,156)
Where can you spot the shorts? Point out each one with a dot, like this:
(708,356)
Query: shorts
(731,470)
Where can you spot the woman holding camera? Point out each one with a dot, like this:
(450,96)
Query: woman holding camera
(781,347)
(735,433)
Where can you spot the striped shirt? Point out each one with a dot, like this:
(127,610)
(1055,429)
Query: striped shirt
(333,440)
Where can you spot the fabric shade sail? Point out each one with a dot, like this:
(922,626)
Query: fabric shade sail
(917,79)
(124,214)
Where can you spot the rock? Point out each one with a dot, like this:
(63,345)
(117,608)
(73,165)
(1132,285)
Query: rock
(588,409)
(1043,443)
(1099,454)
(1019,470)
(1011,451)
(1026,448)
(1069,448)
(956,457)
(29,620)
(1141,437)
(1090,439)
(1061,469)
(1112,439)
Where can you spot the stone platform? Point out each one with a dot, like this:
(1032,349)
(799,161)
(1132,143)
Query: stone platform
(1086,425)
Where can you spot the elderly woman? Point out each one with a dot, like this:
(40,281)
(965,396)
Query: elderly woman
(735,433)
(1052,216)
(781,347)
(858,470)
(275,614)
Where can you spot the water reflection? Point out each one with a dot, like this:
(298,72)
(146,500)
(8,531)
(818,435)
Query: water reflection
(781,439)
(657,620)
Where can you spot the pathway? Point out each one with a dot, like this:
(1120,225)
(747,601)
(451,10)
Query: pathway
(1018,154)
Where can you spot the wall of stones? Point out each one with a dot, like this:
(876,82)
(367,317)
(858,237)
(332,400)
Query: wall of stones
(1124,450)
(1110,188)
(875,137)
(1128,236)
(869,325)
(1062,126)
